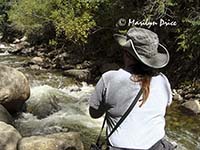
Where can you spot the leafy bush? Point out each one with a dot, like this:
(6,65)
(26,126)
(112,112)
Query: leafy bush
(3,14)
(89,25)
(71,18)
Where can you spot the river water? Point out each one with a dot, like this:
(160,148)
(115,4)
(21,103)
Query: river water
(181,128)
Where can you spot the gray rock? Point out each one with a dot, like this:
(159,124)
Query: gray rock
(80,74)
(57,141)
(45,100)
(37,60)
(35,67)
(18,46)
(84,65)
(14,88)
(177,96)
(4,48)
(9,137)
(5,115)
(180,91)
(197,96)
(192,105)
(23,39)
(189,95)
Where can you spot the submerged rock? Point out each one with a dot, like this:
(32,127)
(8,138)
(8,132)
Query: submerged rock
(14,88)
(9,137)
(57,141)
(45,100)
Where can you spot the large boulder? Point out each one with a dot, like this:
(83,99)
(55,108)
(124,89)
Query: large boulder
(57,141)
(5,115)
(9,137)
(45,100)
(14,88)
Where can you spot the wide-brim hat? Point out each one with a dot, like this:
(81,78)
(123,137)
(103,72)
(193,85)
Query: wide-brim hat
(144,45)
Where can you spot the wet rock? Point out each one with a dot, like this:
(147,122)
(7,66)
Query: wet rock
(84,65)
(37,63)
(5,115)
(14,88)
(67,67)
(180,91)
(45,100)
(109,66)
(192,105)
(9,137)
(197,96)
(37,60)
(27,51)
(57,141)
(177,96)
(189,95)
(23,39)
(16,41)
(4,48)
(80,74)
(35,67)
(18,47)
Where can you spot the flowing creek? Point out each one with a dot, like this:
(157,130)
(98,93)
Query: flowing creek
(181,128)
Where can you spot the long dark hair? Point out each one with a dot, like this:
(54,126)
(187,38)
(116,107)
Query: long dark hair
(143,74)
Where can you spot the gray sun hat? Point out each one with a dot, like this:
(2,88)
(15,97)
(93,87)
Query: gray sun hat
(143,44)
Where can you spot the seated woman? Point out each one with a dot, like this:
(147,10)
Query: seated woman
(144,127)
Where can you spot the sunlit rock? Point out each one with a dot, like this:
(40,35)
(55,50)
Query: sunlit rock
(14,88)
(57,141)
(9,137)
(45,100)
(80,74)
(192,105)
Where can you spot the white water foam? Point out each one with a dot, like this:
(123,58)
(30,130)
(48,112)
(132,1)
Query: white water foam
(6,53)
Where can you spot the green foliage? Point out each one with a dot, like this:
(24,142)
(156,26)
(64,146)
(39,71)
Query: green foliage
(4,6)
(89,25)
(53,42)
(73,18)
(190,34)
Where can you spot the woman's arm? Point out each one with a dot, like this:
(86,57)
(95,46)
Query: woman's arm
(97,105)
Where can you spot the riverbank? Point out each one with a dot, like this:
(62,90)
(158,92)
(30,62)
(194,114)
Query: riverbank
(89,69)
(177,117)
(83,67)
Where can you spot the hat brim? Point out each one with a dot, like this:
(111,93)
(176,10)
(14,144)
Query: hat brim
(157,61)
